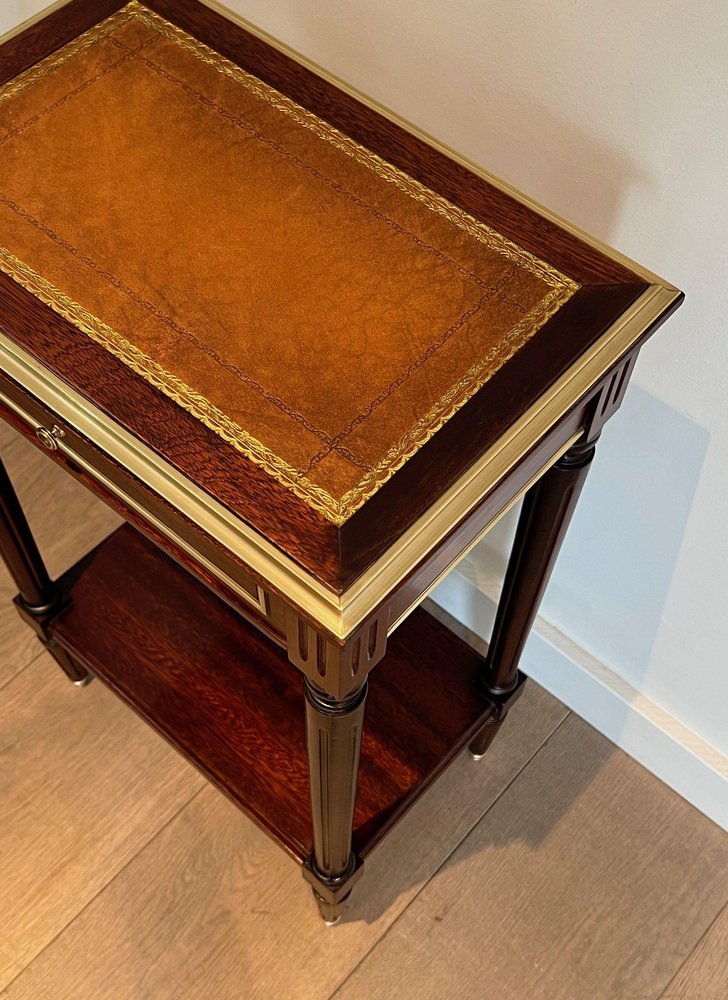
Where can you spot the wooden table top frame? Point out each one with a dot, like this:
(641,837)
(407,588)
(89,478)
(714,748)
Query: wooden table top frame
(301,553)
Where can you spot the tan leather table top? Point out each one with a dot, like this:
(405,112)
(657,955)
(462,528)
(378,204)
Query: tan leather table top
(317,308)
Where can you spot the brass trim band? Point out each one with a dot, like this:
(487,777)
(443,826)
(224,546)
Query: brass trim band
(485,529)
(339,614)
(258,601)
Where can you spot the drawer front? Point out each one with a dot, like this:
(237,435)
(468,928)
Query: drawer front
(141,506)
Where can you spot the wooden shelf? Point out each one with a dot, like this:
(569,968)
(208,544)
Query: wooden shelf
(230,701)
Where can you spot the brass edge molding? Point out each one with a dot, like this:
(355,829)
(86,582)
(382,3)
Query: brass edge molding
(33,19)
(336,510)
(340,615)
(263,558)
(425,534)
(441,147)
(485,529)
(259,601)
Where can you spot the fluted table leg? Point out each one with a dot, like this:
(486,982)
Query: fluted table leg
(545,516)
(333,729)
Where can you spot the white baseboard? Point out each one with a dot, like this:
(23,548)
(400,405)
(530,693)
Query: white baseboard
(638,725)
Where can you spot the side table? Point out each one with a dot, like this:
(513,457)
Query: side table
(310,357)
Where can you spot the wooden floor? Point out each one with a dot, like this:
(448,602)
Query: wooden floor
(554,868)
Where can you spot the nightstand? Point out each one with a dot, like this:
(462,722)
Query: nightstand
(311,357)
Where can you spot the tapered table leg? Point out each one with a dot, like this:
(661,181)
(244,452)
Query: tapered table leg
(38,598)
(333,732)
(545,516)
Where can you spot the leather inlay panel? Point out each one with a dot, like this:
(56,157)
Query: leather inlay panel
(317,308)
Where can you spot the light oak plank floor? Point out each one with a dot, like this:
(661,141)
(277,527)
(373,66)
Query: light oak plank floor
(588,878)
(704,976)
(554,868)
(84,785)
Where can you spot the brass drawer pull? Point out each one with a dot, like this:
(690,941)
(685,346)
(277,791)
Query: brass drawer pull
(50,438)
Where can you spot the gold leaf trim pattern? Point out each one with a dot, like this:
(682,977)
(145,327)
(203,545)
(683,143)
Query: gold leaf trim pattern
(143,365)
(337,511)
(386,171)
(76,47)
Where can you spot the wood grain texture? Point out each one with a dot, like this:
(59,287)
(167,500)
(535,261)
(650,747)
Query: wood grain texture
(335,555)
(44,37)
(231,701)
(67,522)
(213,910)
(75,808)
(704,976)
(587,879)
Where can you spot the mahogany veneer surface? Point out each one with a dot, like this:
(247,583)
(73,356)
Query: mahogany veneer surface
(228,698)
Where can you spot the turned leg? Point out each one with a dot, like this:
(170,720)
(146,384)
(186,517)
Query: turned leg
(333,731)
(39,599)
(545,516)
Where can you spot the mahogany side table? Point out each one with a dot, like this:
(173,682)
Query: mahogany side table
(310,356)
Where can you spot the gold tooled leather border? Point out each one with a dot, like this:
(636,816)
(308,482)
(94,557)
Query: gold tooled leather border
(336,510)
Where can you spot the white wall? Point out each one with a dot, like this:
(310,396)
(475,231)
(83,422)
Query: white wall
(614,115)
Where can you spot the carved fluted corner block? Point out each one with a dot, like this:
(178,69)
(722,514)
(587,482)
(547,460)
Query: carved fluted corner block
(609,395)
(337,668)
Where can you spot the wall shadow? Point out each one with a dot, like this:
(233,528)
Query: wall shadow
(610,586)
(612,580)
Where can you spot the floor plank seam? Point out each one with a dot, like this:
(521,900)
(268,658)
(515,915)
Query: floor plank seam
(665,993)
(103,889)
(442,864)
(31,661)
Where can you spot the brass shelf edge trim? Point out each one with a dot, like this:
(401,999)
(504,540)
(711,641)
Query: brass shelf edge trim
(340,615)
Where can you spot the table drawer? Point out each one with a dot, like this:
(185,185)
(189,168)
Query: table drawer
(142,507)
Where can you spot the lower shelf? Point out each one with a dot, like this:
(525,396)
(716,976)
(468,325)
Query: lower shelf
(229,700)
